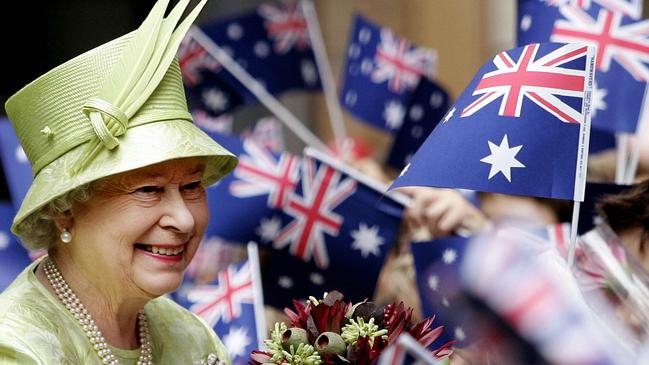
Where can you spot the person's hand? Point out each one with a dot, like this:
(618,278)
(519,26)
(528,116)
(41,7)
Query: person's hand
(443,212)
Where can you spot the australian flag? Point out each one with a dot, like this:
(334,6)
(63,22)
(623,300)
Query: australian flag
(333,233)
(13,257)
(437,265)
(381,74)
(228,306)
(427,106)
(246,203)
(17,169)
(622,51)
(271,43)
(520,127)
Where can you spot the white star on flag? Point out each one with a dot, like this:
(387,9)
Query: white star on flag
(393,114)
(269,228)
(459,334)
(234,31)
(433,282)
(416,112)
(367,240)
(316,278)
(4,240)
(236,341)
(309,73)
(449,256)
(285,282)
(598,99)
(215,99)
(502,158)
(449,115)
(526,22)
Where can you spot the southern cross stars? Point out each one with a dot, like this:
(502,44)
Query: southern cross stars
(502,158)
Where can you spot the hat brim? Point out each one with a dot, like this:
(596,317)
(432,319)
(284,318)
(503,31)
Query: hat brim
(140,146)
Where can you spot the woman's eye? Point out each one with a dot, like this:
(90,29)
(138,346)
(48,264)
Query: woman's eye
(148,189)
(196,185)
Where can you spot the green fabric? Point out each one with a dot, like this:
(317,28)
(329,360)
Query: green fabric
(35,328)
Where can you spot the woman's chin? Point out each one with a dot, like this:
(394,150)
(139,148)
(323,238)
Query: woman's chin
(159,284)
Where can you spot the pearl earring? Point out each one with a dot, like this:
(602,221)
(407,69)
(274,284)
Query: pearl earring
(66,236)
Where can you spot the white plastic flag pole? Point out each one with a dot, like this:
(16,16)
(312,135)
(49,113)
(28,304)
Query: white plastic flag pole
(573,233)
(258,294)
(324,70)
(582,155)
(257,89)
(621,143)
(641,132)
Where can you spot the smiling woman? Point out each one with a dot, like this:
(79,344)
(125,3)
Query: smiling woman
(119,203)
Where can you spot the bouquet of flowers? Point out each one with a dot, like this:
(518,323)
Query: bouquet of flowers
(331,331)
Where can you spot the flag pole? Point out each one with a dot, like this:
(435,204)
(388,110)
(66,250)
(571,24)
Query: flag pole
(573,233)
(257,89)
(622,142)
(258,295)
(324,70)
(641,131)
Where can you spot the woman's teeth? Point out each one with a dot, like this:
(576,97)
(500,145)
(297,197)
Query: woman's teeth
(168,251)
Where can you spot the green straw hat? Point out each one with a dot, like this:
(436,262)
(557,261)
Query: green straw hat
(118,107)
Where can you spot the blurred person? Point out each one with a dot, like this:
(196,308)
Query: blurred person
(118,201)
(627,214)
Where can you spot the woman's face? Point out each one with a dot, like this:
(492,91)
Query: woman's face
(140,229)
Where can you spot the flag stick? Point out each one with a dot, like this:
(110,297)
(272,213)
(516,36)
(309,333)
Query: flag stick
(641,131)
(622,142)
(324,70)
(257,89)
(258,294)
(573,233)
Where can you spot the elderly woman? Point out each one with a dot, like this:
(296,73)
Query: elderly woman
(118,201)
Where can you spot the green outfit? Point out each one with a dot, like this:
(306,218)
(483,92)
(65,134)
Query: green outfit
(35,328)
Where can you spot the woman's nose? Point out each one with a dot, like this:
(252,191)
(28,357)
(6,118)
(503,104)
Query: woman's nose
(177,215)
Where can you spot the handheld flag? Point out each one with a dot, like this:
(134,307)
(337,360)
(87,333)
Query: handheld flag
(382,69)
(17,169)
(521,127)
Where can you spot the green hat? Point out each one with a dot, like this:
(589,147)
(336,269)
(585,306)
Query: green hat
(118,107)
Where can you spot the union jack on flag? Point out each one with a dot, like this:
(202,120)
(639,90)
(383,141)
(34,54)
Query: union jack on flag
(621,71)
(627,44)
(261,173)
(312,211)
(631,8)
(221,302)
(286,26)
(193,59)
(401,64)
(541,80)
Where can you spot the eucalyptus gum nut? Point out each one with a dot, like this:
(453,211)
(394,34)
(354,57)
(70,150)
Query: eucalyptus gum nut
(330,342)
(294,336)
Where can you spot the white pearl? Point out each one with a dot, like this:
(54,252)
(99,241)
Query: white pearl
(78,310)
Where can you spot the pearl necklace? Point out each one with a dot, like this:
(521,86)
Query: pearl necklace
(79,311)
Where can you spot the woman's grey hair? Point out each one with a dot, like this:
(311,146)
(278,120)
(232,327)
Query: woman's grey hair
(39,229)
